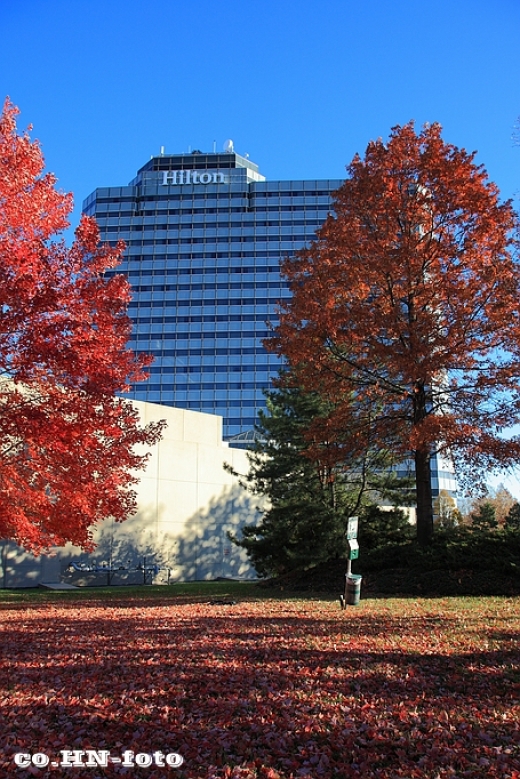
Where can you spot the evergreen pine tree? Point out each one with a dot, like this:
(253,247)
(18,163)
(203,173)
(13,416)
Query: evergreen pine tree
(484,519)
(512,521)
(309,500)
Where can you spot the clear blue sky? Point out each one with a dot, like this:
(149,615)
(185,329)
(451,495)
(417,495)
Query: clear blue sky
(299,85)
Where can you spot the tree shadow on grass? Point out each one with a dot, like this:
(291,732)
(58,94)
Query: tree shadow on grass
(266,684)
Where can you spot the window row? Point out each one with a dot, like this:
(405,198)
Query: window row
(209,286)
(212,349)
(214,318)
(213,352)
(220,195)
(278,224)
(187,273)
(237,315)
(188,259)
(170,197)
(213,386)
(220,296)
(202,405)
(316,213)
(154,344)
(228,238)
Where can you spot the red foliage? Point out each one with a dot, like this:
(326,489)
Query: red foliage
(67,440)
(267,690)
(407,304)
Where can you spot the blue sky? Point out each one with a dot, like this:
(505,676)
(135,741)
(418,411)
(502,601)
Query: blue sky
(299,85)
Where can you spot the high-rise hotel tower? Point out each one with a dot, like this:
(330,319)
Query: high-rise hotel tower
(205,234)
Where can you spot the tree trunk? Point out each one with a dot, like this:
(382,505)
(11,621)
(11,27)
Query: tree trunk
(423,477)
(423,481)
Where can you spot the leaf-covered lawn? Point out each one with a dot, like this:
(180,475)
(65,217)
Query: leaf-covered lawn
(267,689)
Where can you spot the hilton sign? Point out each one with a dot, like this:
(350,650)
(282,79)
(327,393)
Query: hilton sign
(192,177)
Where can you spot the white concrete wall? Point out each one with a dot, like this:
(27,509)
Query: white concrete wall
(186,504)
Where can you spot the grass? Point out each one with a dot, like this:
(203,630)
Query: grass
(160,593)
(457,563)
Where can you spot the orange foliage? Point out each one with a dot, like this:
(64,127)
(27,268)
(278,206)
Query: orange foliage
(409,299)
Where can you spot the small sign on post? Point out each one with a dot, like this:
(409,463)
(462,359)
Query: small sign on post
(352,528)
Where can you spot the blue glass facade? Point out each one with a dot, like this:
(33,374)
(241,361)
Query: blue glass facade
(205,234)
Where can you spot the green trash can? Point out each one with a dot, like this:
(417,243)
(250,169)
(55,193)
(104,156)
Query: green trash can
(353,589)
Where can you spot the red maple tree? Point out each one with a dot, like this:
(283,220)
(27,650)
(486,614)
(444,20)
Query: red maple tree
(67,447)
(408,304)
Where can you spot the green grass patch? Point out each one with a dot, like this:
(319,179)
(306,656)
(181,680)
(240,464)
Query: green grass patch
(160,593)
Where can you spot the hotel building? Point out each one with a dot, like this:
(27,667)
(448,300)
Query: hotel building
(205,233)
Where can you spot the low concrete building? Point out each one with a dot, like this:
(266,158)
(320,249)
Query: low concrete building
(187,503)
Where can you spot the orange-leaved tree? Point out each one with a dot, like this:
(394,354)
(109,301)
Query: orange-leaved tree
(69,446)
(408,302)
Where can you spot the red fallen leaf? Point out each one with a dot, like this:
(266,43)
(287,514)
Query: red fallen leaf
(289,705)
(269,773)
